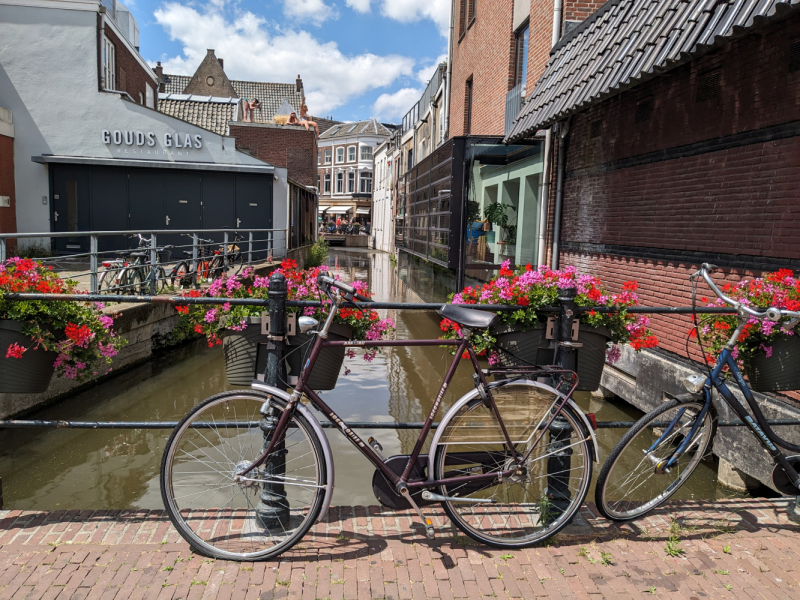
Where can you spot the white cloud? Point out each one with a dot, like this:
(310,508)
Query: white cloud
(425,73)
(315,11)
(255,50)
(393,107)
(361,6)
(411,11)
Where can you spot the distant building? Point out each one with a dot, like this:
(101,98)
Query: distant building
(344,163)
(8,217)
(386,222)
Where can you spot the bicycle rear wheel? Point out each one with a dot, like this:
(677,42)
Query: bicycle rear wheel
(181,276)
(254,519)
(629,484)
(546,491)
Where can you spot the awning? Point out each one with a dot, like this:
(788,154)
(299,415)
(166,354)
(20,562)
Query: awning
(152,164)
(322,209)
(362,211)
(338,210)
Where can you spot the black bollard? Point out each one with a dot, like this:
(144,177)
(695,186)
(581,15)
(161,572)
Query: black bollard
(558,463)
(273,510)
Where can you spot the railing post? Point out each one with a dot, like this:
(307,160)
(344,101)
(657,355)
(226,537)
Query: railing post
(558,463)
(153,264)
(194,259)
(272,509)
(250,248)
(93,263)
(225,252)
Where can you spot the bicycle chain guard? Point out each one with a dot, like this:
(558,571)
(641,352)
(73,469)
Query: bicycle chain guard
(781,481)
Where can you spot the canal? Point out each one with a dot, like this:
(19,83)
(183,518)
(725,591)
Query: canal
(116,469)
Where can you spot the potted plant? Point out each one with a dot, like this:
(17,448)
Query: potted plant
(238,328)
(520,338)
(767,353)
(496,213)
(72,339)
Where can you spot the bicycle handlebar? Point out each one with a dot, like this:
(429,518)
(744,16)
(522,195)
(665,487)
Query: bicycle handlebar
(772,313)
(325,282)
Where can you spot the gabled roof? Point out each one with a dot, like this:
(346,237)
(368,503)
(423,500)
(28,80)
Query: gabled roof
(343,130)
(210,79)
(208,112)
(627,42)
(271,95)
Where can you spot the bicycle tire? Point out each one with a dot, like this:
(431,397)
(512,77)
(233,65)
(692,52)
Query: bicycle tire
(233,530)
(180,276)
(237,262)
(532,505)
(624,502)
(132,282)
(216,268)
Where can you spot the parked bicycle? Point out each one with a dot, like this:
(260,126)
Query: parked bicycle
(660,452)
(246,473)
(212,263)
(131,271)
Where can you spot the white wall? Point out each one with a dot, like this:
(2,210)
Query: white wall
(382,226)
(49,79)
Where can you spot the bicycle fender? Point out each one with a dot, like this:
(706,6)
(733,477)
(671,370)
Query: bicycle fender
(326,446)
(472,395)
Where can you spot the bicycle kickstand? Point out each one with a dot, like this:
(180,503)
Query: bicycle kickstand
(429,532)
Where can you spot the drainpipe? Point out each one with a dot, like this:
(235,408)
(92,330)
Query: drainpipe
(563,131)
(102,65)
(558,8)
(448,77)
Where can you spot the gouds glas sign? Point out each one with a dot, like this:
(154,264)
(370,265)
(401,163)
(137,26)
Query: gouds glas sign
(144,143)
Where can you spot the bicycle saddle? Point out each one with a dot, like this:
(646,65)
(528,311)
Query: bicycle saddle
(468,317)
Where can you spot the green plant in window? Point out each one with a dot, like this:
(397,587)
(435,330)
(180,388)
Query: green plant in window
(496,214)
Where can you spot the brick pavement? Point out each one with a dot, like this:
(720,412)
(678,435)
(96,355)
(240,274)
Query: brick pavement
(725,549)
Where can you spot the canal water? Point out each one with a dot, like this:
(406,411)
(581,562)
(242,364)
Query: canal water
(115,469)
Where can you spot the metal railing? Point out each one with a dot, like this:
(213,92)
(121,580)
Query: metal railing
(156,267)
(514,100)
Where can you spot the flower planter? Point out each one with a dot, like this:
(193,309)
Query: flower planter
(329,363)
(30,374)
(241,352)
(781,371)
(531,347)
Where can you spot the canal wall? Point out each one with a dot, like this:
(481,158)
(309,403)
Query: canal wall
(650,377)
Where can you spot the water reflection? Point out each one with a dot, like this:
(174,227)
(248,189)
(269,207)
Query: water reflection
(108,469)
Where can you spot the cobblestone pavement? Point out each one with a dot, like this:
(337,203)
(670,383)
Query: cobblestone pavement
(725,549)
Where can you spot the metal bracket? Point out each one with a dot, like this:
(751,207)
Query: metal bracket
(552,322)
(291,325)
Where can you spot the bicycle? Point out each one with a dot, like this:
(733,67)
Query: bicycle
(245,474)
(660,452)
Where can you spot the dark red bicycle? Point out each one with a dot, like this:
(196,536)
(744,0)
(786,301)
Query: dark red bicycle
(247,473)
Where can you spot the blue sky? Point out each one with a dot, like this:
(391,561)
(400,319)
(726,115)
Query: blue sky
(358,58)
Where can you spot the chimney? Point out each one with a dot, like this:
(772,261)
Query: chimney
(160,78)
(221,64)
(298,85)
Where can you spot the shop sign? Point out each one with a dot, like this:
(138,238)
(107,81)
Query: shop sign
(140,142)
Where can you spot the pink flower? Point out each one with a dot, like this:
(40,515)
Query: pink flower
(107,322)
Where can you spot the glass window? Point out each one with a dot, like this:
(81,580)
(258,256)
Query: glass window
(340,155)
(109,66)
(319,157)
(151,97)
(328,156)
(327,189)
(351,154)
(351,182)
(365,183)
(521,58)
(366,152)
(339,183)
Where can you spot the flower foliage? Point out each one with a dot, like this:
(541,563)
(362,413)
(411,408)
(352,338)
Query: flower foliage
(211,321)
(78,332)
(535,289)
(779,289)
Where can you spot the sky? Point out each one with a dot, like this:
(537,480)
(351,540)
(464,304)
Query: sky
(357,58)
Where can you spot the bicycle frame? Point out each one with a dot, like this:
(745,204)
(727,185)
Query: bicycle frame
(462,345)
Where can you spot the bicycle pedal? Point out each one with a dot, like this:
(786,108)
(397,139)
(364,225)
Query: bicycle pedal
(429,532)
(376,447)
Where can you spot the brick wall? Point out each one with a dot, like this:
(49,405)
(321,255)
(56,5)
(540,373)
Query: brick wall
(715,180)
(290,147)
(8,218)
(136,78)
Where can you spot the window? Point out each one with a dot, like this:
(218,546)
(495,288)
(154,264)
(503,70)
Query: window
(319,157)
(468,107)
(318,181)
(521,55)
(351,182)
(351,154)
(109,66)
(141,98)
(365,183)
(339,155)
(151,96)
(327,189)
(366,152)
(340,183)
(471,11)
(462,18)
(328,156)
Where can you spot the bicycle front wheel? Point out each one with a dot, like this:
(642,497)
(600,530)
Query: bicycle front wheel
(251,517)
(631,482)
(542,494)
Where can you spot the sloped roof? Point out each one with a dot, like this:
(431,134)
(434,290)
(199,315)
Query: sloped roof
(627,42)
(208,112)
(271,95)
(343,130)
(324,124)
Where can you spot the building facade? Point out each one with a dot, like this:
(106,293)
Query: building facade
(386,221)
(101,158)
(8,204)
(345,169)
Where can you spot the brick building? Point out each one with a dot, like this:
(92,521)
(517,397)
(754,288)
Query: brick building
(679,144)
(8,217)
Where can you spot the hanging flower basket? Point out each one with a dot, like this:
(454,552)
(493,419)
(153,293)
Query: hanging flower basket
(32,371)
(778,372)
(329,362)
(518,348)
